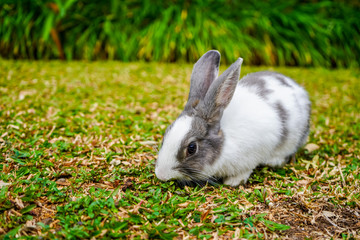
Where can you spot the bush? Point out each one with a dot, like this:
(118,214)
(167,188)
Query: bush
(296,33)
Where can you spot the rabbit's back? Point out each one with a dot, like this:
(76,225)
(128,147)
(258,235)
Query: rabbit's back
(289,100)
(266,121)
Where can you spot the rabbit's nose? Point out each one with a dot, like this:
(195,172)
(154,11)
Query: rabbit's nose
(166,173)
(160,174)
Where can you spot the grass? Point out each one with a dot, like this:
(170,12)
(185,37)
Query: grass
(78,142)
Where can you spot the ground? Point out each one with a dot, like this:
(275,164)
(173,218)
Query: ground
(78,143)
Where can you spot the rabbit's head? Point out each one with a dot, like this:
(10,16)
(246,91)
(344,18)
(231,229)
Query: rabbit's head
(194,141)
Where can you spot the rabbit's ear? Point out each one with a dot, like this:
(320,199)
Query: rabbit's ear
(221,92)
(205,71)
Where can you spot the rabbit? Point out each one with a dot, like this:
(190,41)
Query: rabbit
(229,127)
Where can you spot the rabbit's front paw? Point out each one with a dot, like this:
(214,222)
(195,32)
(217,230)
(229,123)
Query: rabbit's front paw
(236,180)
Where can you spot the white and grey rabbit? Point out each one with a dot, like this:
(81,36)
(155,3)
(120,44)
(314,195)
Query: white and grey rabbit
(229,127)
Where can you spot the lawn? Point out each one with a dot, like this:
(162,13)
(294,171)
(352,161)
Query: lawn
(78,143)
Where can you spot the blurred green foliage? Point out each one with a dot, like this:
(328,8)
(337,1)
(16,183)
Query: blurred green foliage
(272,32)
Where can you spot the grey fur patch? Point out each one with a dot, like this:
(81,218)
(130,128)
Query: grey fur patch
(255,80)
(283,81)
(306,129)
(209,140)
(283,116)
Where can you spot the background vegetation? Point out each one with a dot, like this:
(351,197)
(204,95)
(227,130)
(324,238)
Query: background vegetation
(272,32)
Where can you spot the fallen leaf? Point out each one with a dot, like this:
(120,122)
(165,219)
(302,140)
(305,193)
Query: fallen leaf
(204,215)
(303,182)
(13,126)
(19,203)
(328,214)
(127,184)
(3,184)
(183,205)
(62,182)
(25,93)
(115,162)
(151,143)
(311,147)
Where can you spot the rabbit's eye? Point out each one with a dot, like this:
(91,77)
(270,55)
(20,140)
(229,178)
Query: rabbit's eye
(191,149)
